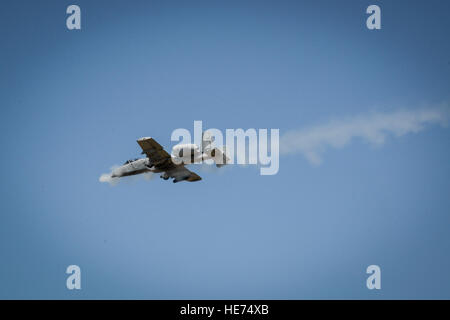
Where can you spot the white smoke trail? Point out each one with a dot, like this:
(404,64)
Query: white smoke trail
(373,128)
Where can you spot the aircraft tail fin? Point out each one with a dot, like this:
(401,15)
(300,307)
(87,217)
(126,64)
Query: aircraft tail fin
(220,157)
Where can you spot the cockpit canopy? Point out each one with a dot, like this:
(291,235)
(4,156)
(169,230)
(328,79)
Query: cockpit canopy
(130,161)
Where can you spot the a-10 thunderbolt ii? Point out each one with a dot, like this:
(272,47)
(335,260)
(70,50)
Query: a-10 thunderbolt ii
(171,166)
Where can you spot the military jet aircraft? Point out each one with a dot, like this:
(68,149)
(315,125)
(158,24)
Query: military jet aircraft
(171,166)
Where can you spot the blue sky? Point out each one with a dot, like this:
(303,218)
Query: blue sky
(73,104)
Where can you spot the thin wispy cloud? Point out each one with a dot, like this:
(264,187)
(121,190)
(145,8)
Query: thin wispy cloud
(373,128)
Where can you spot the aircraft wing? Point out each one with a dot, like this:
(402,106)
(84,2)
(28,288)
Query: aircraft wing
(154,151)
(162,160)
(182,173)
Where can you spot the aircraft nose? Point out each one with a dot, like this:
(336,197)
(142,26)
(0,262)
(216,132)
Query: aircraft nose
(115,173)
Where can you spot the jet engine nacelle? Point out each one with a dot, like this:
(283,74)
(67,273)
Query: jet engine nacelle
(187,153)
